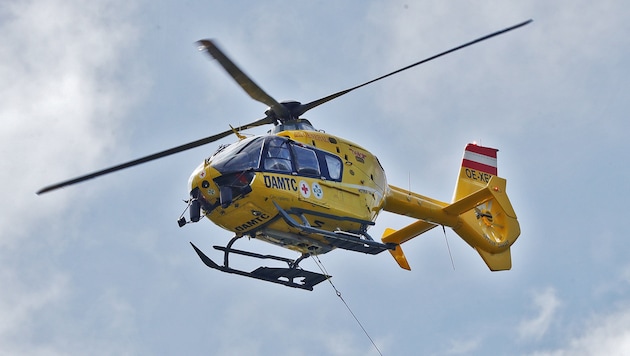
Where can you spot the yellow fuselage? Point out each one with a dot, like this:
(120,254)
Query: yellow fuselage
(349,203)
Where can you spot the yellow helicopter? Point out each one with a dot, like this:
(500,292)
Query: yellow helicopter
(313,192)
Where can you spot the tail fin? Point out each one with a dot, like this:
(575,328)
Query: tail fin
(481,213)
(478,166)
(489,225)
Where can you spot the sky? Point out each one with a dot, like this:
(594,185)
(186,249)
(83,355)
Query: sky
(102,268)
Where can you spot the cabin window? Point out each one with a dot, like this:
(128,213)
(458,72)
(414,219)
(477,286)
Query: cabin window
(278,156)
(306,161)
(285,156)
(334,166)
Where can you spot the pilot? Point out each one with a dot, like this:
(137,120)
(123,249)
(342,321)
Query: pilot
(278,157)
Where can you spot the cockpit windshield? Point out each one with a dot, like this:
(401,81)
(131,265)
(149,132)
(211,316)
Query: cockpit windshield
(238,157)
(279,155)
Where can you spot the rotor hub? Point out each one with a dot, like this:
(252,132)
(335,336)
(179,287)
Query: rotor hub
(290,111)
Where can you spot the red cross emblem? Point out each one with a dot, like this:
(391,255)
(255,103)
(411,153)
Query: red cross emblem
(305,189)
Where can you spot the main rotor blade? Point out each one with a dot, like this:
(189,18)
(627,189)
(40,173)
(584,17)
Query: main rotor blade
(250,87)
(305,107)
(152,157)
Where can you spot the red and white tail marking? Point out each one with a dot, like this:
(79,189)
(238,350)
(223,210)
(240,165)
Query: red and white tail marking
(480,158)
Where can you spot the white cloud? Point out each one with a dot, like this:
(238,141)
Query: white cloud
(58,64)
(464,347)
(60,96)
(546,303)
(609,335)
(20,301)
(603,335)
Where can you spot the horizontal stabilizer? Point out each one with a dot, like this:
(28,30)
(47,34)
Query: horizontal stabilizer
(405,234)
(469,202)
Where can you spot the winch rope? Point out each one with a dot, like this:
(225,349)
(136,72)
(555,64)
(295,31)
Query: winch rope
(323,269)
(448,247)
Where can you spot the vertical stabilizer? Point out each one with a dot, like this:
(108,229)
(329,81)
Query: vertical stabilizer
(478,166)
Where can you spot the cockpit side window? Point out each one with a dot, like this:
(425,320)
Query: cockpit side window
(306,161)
(278,157)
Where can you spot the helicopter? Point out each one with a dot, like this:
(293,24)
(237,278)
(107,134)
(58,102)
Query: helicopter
(312,192)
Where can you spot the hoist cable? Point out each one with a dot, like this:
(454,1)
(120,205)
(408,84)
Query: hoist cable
(323,269)
(448,248)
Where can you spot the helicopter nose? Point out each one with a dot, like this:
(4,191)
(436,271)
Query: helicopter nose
(203,192)
(198,175)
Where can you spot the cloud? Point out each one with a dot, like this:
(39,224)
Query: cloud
(604,333)
(607,334)
(547,304)
(60,96)
(58,63)
(464,347)
(20,301)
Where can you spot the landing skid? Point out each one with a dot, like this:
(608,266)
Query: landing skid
(293,276)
